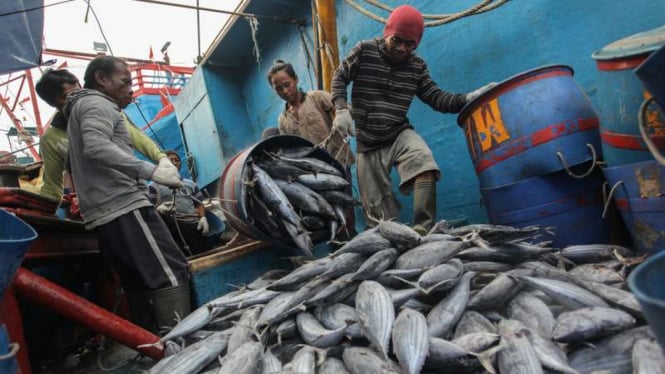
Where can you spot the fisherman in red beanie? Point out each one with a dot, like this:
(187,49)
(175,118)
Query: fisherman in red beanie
(386,75)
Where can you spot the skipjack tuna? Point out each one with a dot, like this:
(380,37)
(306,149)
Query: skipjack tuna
(296,198)
(510,306)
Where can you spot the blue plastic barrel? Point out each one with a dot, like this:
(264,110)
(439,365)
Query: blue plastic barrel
(572,207)
(638,190)
(15,238)
(646,281)
(8,363)
(515,130)
(620,95)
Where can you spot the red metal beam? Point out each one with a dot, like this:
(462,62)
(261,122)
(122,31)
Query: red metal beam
(19,127)
(46,293)
(35,107)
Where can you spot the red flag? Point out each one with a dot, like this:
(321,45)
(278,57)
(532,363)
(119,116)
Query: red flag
(151,56)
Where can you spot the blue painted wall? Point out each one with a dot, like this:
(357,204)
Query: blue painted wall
(462,56)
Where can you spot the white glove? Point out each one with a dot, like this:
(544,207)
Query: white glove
(165,208)
(203,226)
(166,174)
(343,122)
(474,94)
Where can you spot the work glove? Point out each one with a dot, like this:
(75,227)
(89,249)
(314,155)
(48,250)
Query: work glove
(343,122)
(166,174)
(203,226)
(474,94)
(165,208)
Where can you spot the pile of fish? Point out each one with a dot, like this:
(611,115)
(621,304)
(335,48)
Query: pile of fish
(472,299)
(295,196)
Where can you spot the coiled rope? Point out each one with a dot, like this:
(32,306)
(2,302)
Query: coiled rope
(438,19)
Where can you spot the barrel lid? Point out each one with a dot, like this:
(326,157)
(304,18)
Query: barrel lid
(510,83)
(634,45)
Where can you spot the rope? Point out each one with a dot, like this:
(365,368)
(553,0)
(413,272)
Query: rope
(609,197)
(647,140)
(439,19)
(147,124)
(567,167)
(254,26)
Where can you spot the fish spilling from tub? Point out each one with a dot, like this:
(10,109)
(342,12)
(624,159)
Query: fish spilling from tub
(472,299)
(295,198)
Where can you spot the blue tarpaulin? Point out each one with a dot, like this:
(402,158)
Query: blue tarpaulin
(21,34)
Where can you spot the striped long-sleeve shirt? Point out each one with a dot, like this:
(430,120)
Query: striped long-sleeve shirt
(382,93)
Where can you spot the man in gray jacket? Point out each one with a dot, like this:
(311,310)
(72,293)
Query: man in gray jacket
(110,182)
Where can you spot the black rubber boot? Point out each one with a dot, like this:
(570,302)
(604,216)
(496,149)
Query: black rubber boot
(141,310)
(424,205)
(169,304)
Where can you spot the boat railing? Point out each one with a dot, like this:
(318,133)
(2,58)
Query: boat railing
(159,79)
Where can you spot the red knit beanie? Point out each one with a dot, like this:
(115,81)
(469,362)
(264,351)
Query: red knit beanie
(406,21)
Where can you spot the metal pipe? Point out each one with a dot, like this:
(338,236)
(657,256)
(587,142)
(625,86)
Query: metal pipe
(41,291)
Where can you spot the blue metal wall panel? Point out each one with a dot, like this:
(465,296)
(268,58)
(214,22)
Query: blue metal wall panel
(462,56)
(199,129)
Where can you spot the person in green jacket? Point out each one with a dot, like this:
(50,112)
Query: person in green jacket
(53,87)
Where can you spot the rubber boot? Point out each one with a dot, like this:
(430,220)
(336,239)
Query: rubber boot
(169,304)
(141,310)
(424,204)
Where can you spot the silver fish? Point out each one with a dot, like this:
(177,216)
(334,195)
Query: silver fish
(439,278)
(443,317)
(518,355)
(648,357)
(498,291)
(339,198)
(410,340)
(399,234)
(339,315)
(590,323)
(394,278)
(365,244)
(619,364)
(376,314)
(568,294)
(551,356)
(486,266)
(312,164)
(314,334)
(589,253)
(287,329)
(429,254)
(300,275)
(271,364)
(596,273)
(336,291)
(277,201)
(333,365)
(323,181)
(616,297)
(472,322)
(245,360)
(614,345)
(476,341)
(533,313)
(343,264)
(361,360)
(375,264)
(244,329)
(304,361)
(306,200)
(196,356)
